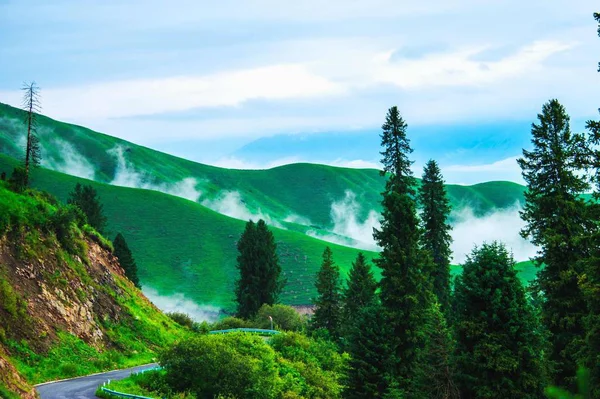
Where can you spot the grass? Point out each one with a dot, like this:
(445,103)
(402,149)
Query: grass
(133,329)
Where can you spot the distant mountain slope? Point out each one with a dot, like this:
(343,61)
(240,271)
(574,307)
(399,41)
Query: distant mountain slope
(295,192)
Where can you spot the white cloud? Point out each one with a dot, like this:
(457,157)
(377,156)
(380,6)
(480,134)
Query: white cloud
(503,225)
(178,302)
(127,176)
(179,93)
(230,203)
(71,161)
(505,169)
(347,224)
(458,68)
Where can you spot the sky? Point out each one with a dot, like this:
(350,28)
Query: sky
(206,80)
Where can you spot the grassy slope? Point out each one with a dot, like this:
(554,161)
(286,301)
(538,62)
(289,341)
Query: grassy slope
(39,335)
(181,246)
(301,189)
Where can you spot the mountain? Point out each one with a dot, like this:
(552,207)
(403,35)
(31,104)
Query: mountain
(66,308)
(185,247)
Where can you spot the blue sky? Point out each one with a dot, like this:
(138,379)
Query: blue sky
(203,79)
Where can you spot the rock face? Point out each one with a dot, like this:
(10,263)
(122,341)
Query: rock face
(53,291)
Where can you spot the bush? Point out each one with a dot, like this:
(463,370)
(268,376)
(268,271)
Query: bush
(182,319)
(231,322)
(17,180)
(238,365)
(284,318)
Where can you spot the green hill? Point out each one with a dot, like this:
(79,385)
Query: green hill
(183,247)
(294,192)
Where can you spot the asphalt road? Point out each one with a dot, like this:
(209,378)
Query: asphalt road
(84,387)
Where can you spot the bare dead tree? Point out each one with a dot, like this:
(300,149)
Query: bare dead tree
(32,106)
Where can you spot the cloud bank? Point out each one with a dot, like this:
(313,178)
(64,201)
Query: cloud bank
(503,225)
(179,303)
(71,161)
(230,203)
(127,176)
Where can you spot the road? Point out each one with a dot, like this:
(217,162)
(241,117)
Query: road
(84,387)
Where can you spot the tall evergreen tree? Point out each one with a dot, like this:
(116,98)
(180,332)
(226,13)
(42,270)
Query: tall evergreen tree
(499,344)
(403,288)
(126,260)
(32,106)
(591,265)
(369,346)
(328,304)
(556,220)
(260,273)
(436,374)
(86,198)
(436,233)
(360,291)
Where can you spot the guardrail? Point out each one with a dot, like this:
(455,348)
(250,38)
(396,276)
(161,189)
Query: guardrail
(123,395)
(248,330)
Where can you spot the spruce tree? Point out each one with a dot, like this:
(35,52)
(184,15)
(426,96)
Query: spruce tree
(360,290)
(126,260)
(436,230)
(369,347)
(260,273)
(86,199)
(499,344)
(590,282)
(403,288)
(328,304)
(555,216)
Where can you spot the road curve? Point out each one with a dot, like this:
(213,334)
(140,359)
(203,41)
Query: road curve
(84,387)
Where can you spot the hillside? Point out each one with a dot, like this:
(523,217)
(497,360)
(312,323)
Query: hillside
(184,248)
(301,193)
(66,308)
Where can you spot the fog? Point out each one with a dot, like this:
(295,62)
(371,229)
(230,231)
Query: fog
(230,203)
(503,225)
(127,176)
(179,303)
(71,162)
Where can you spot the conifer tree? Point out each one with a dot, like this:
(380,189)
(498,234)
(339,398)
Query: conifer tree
(328,304)
(436,374)
(499,344)
(369,346)
(556,220)
(403,288)
(436,230)
(126,260)
(32,106)
(86,198)
(590,282)
(260,273)
(360,291)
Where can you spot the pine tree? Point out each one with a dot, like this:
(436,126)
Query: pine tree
(259,282)
(403,288)
(499,344)
(369,347)
(86,198)
(590,282)
(436,233)
(31,105)
(360,291)
(269,269)
(555,217)
(126,260)
(328,304)
(436,375)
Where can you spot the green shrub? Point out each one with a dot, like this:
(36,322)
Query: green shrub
(231,322)
(182,319)
(6,394)
(284,318)
(239,365)
(8,297)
